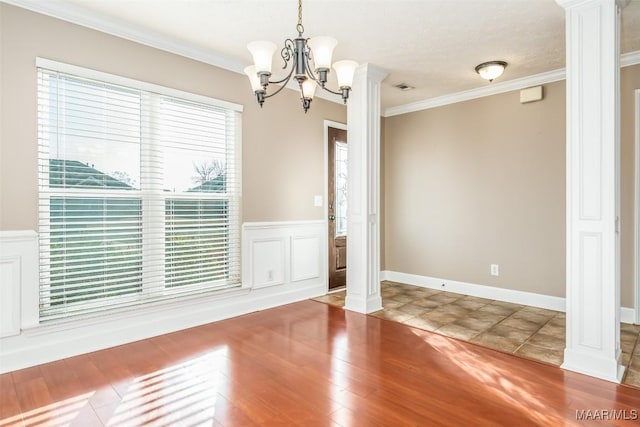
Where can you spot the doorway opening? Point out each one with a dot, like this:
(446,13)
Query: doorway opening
(336,191)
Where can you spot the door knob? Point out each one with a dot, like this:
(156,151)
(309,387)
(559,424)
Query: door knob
(332,217)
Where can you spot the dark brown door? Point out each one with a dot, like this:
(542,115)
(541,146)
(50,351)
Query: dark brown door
(337,208)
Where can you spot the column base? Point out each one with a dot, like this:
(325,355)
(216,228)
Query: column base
(363,305)
(594,365)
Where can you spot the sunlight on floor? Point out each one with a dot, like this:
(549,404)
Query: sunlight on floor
(497,382)
(183,393)
(54,415)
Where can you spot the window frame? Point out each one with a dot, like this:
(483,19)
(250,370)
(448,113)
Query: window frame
(234,196)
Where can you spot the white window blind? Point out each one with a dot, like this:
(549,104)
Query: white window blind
(139,194)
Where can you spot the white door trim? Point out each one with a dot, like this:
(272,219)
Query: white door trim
(636,251)
(325,211)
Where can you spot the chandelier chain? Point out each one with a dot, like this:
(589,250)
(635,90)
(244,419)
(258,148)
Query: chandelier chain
(300,12)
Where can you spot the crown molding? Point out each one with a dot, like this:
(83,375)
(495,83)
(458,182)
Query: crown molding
(493,89)
(626,60)
(630,58)
(94,21)
(80,16)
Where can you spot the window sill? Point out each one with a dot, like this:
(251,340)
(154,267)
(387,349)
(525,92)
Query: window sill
(137,311)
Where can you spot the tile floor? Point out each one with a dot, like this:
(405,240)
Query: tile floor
(531,332)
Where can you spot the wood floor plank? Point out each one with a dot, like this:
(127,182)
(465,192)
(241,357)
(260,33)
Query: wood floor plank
(10,412)
(305,364)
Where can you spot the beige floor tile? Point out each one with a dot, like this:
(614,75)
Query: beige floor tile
(479,325)
(496,342)
(540,311)
(629,337)
(457,331)
(540,353)
(518,336)
(391,304)
(497,309)
(392,314)
(427,303)
(631,328)
(632,378)
(627,346)
(531,317)
(412,309)
(402,297)
(486,316)
(558,320)
(444,297)
(553,330)
(625,359)
(470,304)
(510,305)
(423,323)
(521,324)
(389,292)
(634,361)
(454,309)
(440,316)
(421,292)
(547,341)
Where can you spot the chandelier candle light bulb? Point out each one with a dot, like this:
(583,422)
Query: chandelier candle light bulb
(309,61)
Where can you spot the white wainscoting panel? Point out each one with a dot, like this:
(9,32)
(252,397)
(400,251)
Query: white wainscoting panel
(283,253)
(267,262)
(9,296)
(18,279)
(270,260)
(306,258)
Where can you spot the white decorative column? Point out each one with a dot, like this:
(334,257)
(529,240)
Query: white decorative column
(363,198)
(593,277)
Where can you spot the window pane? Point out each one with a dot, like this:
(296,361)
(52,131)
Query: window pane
(95,248)
(93,133)
(341,188)
(194,141)
(197,242)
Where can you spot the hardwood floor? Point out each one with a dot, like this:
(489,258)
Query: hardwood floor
(307,364)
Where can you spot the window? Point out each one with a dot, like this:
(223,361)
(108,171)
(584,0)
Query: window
(139,192)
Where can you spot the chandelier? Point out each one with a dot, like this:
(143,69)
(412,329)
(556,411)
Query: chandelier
(299,54)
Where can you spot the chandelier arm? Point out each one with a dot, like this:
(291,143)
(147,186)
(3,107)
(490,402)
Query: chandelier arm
(331,91)
(287,52)
(286,80)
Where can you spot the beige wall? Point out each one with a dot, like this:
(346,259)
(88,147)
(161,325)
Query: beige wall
(482,182)
(282,147)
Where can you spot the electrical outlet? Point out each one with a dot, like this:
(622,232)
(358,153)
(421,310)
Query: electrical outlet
(270,275)
(495,270)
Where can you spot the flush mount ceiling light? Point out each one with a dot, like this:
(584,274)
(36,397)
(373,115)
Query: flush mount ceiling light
(300,54)
(491,70)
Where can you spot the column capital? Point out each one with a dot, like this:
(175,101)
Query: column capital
(568,4)
(371,72)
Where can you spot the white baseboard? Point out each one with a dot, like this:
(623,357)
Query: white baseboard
(627,315)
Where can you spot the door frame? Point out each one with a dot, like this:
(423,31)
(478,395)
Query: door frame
(325,204)
(636,244)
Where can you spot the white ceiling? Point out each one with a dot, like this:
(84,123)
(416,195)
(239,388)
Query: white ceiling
(433,45)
